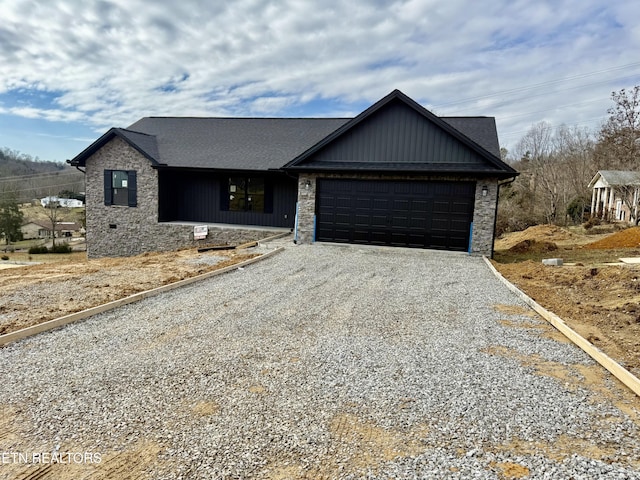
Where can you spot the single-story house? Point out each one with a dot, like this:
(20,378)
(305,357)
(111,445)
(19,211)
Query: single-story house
(42,229)
(61,202)
(394,175)
(615,195)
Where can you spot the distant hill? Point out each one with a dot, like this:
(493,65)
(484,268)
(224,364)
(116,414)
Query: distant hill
(27,178)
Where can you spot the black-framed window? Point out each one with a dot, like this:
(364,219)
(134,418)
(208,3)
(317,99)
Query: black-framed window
(246,194)
(120,187)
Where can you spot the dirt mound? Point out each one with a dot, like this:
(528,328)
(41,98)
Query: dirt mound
(526,246)
(629,238)
(544,233)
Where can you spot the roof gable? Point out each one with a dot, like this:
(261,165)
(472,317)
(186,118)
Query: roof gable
(611,178)
(397,134)
(142,142)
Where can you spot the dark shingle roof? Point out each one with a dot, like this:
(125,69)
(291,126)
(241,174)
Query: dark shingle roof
(234,143)
(482,130)
(266,143)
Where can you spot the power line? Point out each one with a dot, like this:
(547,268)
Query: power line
(541,84)
(36,175)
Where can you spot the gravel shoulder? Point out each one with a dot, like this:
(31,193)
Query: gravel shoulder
(320,362)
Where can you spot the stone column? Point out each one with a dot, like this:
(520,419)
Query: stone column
(306,207)
(484,216)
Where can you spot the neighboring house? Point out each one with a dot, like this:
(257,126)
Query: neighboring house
(61,202)
(394,175)
(42,229)
(615,195)
(32,230)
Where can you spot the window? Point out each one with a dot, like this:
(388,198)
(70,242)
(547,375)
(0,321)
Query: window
(246,194)
(120,187)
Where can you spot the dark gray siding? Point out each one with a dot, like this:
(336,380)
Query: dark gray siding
(195,196)
(397,134)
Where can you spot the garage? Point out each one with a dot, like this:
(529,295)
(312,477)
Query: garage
(400,213)
(398,175)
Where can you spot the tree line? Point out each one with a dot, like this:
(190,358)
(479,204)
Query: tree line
(557,164)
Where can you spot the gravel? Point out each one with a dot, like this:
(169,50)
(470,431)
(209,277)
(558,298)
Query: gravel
(324,362)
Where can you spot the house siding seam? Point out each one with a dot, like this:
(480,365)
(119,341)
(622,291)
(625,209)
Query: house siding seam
(137,228)
(483,217)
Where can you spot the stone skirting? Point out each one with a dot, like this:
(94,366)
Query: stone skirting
(126,240)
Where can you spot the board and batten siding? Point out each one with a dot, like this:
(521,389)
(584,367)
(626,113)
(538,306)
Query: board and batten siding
(397,134)
(196,197)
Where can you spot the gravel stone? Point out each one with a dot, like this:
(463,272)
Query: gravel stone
(323,362)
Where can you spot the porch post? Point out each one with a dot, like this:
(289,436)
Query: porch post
(593,201)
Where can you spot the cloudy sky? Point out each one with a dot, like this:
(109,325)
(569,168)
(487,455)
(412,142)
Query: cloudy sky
(71,69)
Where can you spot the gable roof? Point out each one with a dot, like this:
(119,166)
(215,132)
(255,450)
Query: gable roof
(234,143)
(481,130)
(260,144)
(616,178)
(425,143)
(144,143)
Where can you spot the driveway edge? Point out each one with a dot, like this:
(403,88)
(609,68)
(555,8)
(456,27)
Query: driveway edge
(617,370)
(74,317)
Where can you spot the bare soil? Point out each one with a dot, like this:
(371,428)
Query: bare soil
(596,295)
(70,283)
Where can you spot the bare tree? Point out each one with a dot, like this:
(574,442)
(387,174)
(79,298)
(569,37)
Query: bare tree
(618,145)
(52,209)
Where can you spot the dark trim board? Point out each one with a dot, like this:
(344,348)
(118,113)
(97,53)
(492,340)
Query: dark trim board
(403,213)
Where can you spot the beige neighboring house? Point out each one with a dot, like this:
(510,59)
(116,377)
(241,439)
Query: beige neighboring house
(42,229)
(615,195)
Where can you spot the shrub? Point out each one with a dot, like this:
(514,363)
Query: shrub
(5,257)
(593,221)
(36,250)
(62,248)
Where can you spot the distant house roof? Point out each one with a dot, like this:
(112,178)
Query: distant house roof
(60,226)
(268,143)
(612,178)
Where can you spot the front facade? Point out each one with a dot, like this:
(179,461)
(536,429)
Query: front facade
(615,195)
(395,175)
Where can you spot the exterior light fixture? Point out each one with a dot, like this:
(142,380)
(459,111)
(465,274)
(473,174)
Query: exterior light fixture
(485,190)
(307,184)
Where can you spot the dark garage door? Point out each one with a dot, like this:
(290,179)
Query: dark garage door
(396,213)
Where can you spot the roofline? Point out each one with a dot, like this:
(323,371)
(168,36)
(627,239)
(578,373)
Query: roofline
(394,170)
(80,159)
(245,118)
(599,174)
(397,94)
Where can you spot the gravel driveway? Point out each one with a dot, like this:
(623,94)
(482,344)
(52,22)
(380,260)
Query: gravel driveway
(320,362)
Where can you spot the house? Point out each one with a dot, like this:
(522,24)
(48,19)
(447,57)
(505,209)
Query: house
(42,229)
(395,175)
(61,202)
(35,229)
(615,195)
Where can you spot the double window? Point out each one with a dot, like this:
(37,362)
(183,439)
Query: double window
(246,194)
(120,187)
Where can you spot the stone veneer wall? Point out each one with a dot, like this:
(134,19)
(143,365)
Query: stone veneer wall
(136,228)
(483,218)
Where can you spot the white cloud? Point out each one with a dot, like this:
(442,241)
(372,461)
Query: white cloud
(111,62)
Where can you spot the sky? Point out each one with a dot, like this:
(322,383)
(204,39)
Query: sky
(72,69)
